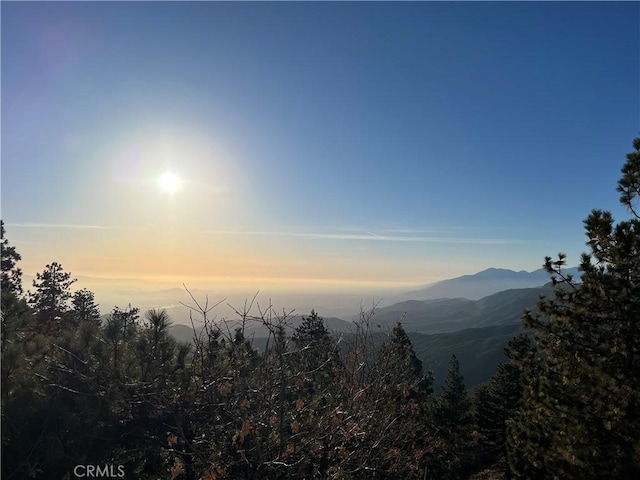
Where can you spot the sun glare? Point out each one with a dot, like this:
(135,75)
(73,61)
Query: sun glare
(169,182)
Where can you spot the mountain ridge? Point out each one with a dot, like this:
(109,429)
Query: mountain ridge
(475,329)
(484,283)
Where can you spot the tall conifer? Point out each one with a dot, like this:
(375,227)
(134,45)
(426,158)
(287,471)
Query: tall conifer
(580,416)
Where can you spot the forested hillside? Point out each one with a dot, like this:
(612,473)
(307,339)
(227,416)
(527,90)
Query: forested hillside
(565,404)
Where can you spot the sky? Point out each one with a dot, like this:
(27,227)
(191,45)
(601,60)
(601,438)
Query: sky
(318,147)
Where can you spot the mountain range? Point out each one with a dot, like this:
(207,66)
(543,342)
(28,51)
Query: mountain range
(447,315)
(486,282)
(472,316)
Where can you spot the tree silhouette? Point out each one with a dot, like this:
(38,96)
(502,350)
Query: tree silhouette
(495,407)
(11,281)
(454,438)
(580,414)
(84,308)
(50,300)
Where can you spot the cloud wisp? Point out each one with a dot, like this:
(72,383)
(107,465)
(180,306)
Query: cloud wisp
(60,225)
(386,235)
(376,237)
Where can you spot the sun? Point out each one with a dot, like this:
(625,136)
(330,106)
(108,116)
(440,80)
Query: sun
(169,182)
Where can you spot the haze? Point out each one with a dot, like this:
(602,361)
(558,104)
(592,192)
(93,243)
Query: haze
(352,149)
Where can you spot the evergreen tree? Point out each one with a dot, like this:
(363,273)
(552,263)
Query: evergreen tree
(155,347)
(11,281)
(495,407)
(14,312)
(51,297)
(392,412)
(313,340)
(454,436)
(398,368)
(19,387)
(453,402)
(316,356)
(580,415)
(119,332)
(84,308)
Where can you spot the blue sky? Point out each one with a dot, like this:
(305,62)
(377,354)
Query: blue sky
(317,143)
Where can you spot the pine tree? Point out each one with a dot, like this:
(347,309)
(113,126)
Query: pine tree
(398,368)
(580,415)
(385,416)
(454,438)
(84,307)
(316,362)
(155,347)
(495,406)
(19,387)
(14,312)
(51,297)
(119,332)
(453,401)
(314,342)
(11,281)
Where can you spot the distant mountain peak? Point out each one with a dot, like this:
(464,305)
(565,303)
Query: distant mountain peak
(494,270)
(486,282)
